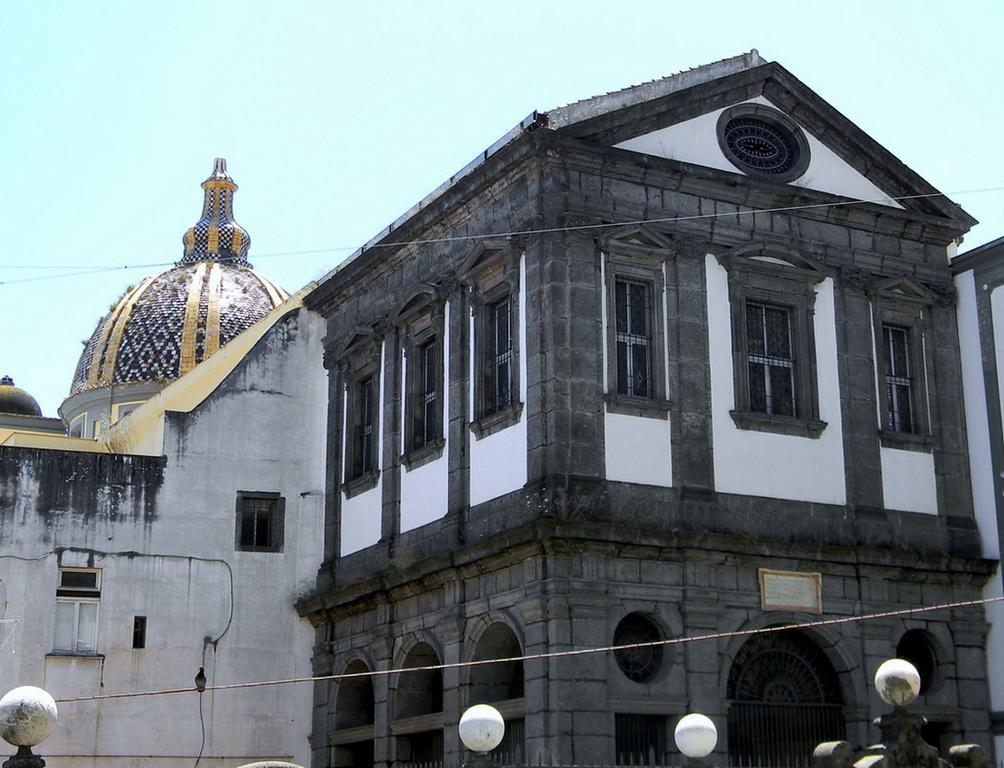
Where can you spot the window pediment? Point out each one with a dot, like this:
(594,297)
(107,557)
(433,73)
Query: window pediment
(420,299)
(360,349)
(905,289)
(489,257)
(634,238)
(777,260)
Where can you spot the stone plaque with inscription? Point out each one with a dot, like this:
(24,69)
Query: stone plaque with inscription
(791,591)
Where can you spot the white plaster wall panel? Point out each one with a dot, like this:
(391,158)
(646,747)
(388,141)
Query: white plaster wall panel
(908,481)
(995,646)
(424,489)
(997,312)
(250,434)
(765,464)
(362,514)
(498,461)
(638,450)
(695,141)
(977,427)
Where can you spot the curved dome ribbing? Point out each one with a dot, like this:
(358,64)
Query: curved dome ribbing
(163,327)
(160,329)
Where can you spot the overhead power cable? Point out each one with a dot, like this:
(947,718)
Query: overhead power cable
(497,235)
(549,654)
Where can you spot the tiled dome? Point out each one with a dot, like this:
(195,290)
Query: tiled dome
(160,329)
(14,400)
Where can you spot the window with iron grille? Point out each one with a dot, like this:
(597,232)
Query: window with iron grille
(632,306)
(491,274)
(260,523)
(640,739)
(497,366)
(898,379)
(363,435)
(772,298)
(426,428)
(770,359)
(422,330)
(905,314)
(635,329)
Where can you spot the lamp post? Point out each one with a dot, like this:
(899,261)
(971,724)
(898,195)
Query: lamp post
(898,683)
(27,717)
(481,730)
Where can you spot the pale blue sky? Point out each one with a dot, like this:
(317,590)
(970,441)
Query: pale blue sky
(337,117)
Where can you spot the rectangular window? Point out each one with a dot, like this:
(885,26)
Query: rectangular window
(260,521)
(633,336)
(498,359)
(425,429)
(898,379)
(363,437)
(491,275)
(139,632)
(770,359)
(640,740)
(78,595)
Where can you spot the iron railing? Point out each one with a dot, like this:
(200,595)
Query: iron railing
(780,735)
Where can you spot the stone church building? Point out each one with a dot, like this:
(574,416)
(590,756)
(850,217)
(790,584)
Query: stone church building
(675,360)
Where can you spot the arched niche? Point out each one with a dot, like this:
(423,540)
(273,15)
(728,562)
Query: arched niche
(354,700)
(420,692)
(502,681)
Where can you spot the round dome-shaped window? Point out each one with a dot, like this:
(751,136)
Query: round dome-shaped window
(763,142)
(916,647)
(643,662)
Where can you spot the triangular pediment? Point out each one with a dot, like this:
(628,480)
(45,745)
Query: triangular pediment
(680,119)
(356,339)
(639,236)
(905,289)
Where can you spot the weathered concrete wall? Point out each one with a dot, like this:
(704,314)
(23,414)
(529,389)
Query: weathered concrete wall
(162,531)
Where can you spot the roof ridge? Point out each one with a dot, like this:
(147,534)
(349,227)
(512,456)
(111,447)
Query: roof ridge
(582,109)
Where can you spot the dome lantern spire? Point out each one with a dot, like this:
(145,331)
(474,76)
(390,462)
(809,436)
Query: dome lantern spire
(216,236)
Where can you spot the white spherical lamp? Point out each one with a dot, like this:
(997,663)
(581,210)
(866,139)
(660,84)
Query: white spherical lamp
(27,716)
(481,728)
(696,735)
(897,682)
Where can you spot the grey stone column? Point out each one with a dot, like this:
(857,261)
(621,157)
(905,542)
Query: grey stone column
(390,435)
(856,367)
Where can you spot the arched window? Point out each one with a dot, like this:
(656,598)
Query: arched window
(784,700)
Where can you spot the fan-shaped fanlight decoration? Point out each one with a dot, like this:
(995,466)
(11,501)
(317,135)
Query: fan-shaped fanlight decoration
(783,668)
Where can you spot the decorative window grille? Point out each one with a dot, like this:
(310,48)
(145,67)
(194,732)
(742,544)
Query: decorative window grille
(259,521)
(426,427)
(898,379)
(771,362)
(498,365)
(640,740)
(643,662)
(633,336)
(362,459)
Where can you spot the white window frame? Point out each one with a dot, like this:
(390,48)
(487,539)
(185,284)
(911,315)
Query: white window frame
(77,597)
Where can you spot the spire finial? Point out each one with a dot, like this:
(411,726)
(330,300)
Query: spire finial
(216,236)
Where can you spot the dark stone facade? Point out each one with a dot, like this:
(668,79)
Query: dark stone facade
(563,560)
